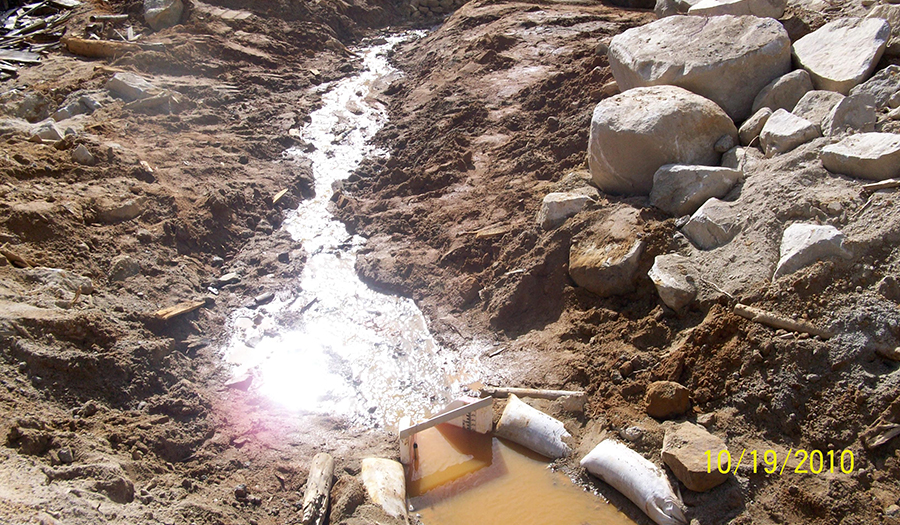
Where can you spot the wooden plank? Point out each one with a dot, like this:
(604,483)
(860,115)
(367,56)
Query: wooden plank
(445,417)
(179,309)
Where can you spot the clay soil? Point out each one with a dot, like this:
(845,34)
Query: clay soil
(110,415)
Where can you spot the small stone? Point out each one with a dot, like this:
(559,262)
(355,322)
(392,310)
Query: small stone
(671,273)
(631,434)
(65,456)
(842,53)
(873,156)
(130,86)
(680,189)
(82,155)
(161,14)
(724,144)
(816,105)
(123,267)
(666,399)
(47,130)
(854,114)
(228,278)
(707,420)
(714,224)
(684,451)
(240,492)
(752,127)
(804,244)
(785,131)
(784,92)
(557,207)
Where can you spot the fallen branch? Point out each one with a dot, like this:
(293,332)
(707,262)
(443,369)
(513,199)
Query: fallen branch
(318,489)
(882,185)
(500,392)
(777,321)
(179,309)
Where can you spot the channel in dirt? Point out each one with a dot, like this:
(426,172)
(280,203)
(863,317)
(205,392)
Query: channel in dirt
(348,350)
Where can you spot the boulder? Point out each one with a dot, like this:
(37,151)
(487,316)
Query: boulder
(605,260)
(684,451)
(804,244)
(667,399)
(784,92)
(82,155)
(891,13)
(883,87)
(727,59)
(853,114)
(557,207)
(634,133)
(760,8)
(873,156)
(671,274)
(816,105)
(161,14)
(130,86)
(752,127)
(713,225)
(680,189)
(785,131)
(842,53)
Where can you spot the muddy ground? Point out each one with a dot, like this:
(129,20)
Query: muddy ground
(112,415)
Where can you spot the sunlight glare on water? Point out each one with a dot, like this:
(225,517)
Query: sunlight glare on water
(348,351)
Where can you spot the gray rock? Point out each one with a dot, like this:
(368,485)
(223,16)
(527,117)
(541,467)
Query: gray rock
(785,131)
(724,144)
(842,53)
(111,211)
(161,14)
(33,106)
(853,114)
(665,8)
(557,207)
(82,155)
(684,451)
(784,92)
(714,224)
(636,132)
(725,59)
(47,130)
(680,189)
(760,8)
(228,278)
(60,283)
(605,260)
(805,244)
(131,87)
(883,87)
(891,13)
(9,126)
(873,156)
(667,399)
(752,127)
(123,267)
(816,105)
(672,276)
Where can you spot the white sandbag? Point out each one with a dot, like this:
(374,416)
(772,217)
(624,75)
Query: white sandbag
(532,428)
(637,479)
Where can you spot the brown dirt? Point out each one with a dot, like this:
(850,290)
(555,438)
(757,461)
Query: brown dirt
(492,114)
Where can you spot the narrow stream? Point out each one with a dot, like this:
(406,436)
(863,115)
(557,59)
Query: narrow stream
(349,351)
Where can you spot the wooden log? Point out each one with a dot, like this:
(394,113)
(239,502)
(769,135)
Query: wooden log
(777,321)
(98,48)
(318,490)
(500,392)
(179,309)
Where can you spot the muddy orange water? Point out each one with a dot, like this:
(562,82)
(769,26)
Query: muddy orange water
(460,478)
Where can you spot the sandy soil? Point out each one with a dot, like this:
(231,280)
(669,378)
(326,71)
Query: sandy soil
(111,415)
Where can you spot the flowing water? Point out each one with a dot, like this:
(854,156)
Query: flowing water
(368,357)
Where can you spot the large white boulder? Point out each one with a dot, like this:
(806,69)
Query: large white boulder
(680,189)
(804,244)
(891,13)
(853,114)
(760,8)
(873,156)
(842,53)
(785,131)
(884,87)
(634,133)
(752,127)
(727,59)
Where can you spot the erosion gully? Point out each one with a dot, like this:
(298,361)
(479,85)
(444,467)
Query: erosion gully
(368,357)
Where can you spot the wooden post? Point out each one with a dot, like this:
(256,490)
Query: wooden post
(318,490)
